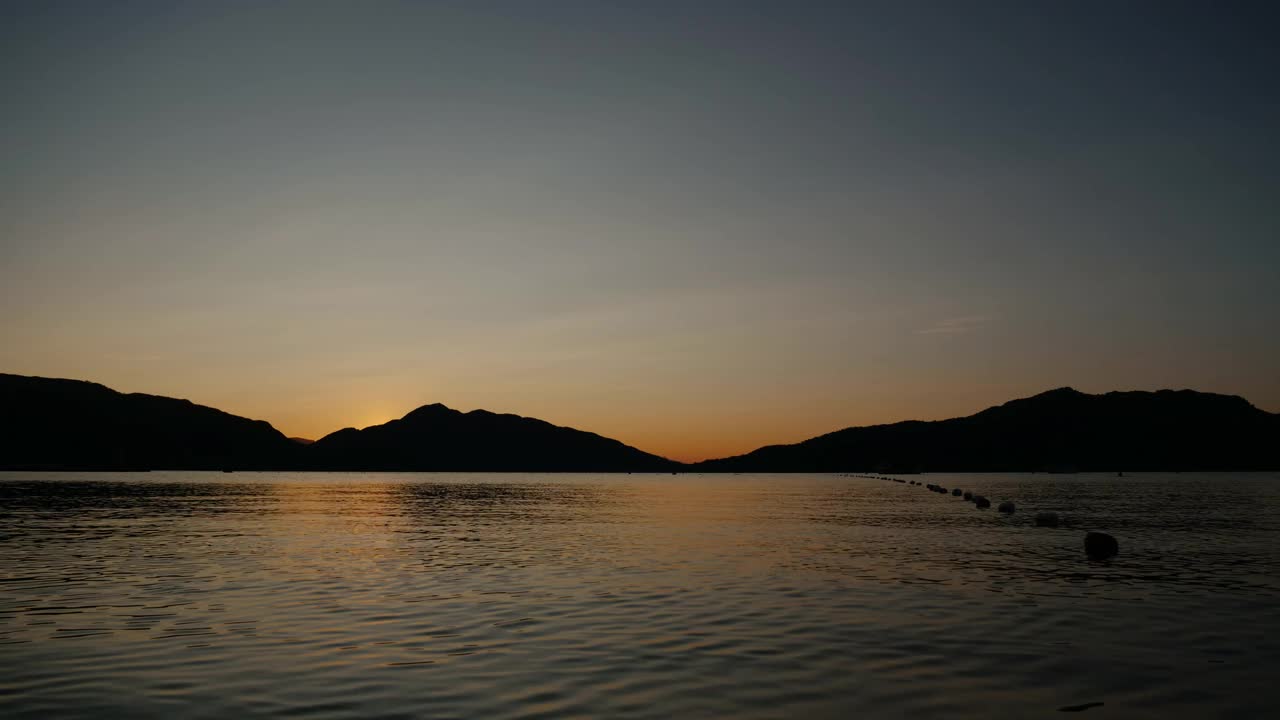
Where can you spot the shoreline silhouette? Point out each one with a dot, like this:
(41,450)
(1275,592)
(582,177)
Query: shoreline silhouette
(61,424)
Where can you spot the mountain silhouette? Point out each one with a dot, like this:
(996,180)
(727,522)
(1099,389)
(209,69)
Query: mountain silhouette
(54,424)
(1059,430)
(435,437)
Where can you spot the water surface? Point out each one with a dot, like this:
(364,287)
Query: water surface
(341,595)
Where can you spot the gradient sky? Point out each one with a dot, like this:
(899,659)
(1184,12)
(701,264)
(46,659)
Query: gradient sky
(697,227)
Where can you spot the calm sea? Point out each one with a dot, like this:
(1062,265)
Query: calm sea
(489,596)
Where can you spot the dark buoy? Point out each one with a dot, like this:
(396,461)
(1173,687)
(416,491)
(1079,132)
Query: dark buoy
(1100,546)
(968,495)
(981,501)
(1047,519)
(957,492)
(1006,507)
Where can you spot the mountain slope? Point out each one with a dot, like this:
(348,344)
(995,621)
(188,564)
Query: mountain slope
(75,425)
(1058,430)
(437,438)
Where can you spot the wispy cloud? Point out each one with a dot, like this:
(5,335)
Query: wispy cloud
(955,326)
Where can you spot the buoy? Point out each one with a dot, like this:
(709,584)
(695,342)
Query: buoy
(957,492)
(1006,507)
(1047,519)
(1100,546)
(981,501)
(968,495)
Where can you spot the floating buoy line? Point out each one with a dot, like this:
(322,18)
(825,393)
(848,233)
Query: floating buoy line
(1097,545)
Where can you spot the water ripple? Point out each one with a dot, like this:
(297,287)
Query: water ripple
(357,595)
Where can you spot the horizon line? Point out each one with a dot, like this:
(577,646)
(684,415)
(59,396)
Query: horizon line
(624,442)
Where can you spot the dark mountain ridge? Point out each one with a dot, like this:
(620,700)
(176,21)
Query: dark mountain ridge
(1059,430)
(53,424)
(435,437)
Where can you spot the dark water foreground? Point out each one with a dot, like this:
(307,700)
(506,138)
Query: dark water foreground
(347,595)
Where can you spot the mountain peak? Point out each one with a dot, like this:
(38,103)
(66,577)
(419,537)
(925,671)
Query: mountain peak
(432,411)
(1060,428)
(437,438)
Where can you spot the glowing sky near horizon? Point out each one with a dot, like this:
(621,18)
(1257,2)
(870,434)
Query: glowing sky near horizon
(694,227)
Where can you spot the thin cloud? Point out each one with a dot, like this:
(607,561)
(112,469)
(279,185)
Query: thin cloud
(955,326)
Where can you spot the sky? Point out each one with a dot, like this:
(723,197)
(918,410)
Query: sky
(697,227)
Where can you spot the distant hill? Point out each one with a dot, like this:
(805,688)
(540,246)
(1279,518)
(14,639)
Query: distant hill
(437,438)
(1060,430)
(53,424)
(75,425)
